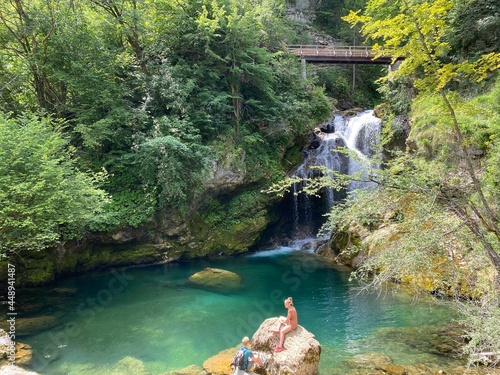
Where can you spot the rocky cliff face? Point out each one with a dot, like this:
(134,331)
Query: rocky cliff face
(302,10)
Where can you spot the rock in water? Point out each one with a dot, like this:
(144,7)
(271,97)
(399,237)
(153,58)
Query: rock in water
(23,352)
(15,370)
(219,364)
(300,357)
(216,279)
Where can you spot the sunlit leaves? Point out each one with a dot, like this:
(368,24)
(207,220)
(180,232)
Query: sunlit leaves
(417,31)
(114,70)
(448,133)
(44,198)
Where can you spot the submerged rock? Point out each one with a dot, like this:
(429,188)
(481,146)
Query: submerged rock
(29,326)
(300,357)
(369,361)
(445,341)
(381,364)
(217,279)
(15,370)
(420,369)
(129,366)
(190,370)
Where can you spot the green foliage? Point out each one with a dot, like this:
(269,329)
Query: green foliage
(131,205)
(145,86)
(170,164)
(398,94)
(475,26)
(336,81)
(417,31)
(262,158)
(329,18)
(227,211)
(320,107)
(482,320)
(166,164)
(448,133)
(44,198)
(227,58)
(432,128)
(416,243)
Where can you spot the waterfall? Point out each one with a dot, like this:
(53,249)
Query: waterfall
(359,135)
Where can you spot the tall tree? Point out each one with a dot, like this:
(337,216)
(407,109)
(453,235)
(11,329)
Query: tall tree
(417,30)
(130,16)
(450,177)
(29,28)
(222,44)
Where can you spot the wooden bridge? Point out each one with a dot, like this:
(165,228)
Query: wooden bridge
(329,54)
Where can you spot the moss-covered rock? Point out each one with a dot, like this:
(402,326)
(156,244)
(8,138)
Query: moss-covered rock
(219,364)
(216,279)
(223,225)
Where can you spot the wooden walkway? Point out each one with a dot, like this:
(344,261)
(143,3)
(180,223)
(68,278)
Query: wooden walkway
(329,54)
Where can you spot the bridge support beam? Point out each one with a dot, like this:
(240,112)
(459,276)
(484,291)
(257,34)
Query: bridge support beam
(395,66)
(304,68)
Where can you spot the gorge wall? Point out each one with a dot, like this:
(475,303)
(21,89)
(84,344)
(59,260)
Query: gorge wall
(228,219)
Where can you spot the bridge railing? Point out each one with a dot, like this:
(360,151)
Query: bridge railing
(334,51)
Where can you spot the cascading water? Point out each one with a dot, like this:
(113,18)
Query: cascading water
(359,135)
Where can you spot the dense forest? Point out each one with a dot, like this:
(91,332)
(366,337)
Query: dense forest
(114,111)
(130,102)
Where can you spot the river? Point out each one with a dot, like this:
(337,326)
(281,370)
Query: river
(147,320)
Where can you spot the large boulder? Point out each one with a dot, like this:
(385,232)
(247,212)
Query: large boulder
(216,279)
(300,357)
(225,178)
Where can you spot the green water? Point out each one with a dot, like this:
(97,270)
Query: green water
(148,319)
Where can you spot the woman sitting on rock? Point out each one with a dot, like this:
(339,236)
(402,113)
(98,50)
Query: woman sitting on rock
(287,324)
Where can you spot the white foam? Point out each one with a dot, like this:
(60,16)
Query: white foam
(273,252)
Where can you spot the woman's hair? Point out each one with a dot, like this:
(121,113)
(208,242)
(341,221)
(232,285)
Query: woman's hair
(289,299)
